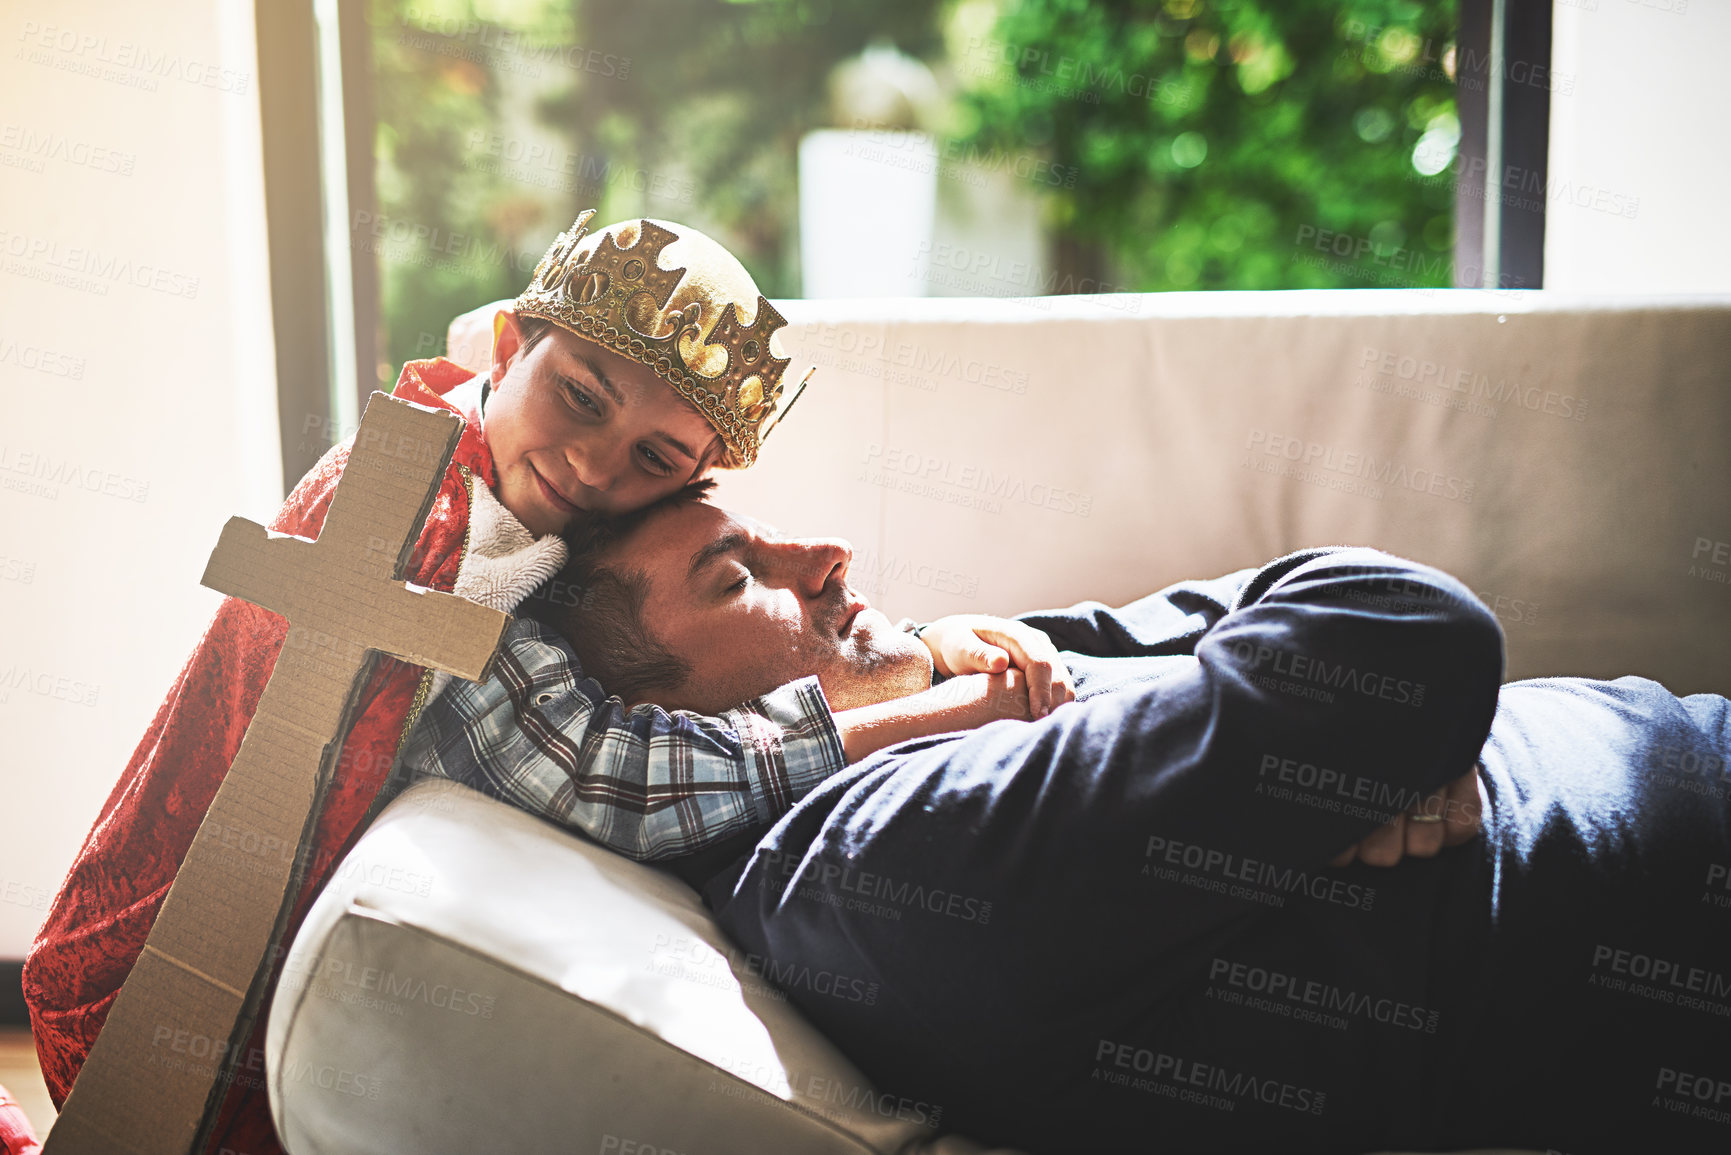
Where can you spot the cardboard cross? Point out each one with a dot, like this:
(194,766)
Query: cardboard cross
(159,1067)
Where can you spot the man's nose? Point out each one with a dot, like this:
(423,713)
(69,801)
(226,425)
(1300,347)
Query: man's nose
(819,561)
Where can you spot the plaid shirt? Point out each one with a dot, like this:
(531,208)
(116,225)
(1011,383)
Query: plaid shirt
(645,782)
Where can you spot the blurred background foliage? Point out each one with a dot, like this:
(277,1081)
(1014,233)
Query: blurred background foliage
(1209,144)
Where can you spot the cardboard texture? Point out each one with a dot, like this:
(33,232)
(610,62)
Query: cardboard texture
(201,977)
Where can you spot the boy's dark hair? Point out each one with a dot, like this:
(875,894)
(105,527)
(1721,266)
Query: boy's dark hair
(533,330)
(599,608)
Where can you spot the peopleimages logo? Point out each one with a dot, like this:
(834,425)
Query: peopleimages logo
(42,474)
(506,42)
(529,161)
(1330,675)
(960,483)
(1176,1072)
(868,892)
(89,269)
(957,159)
(41,360)
(36,147)
(1679,1091)
(433,246)
(1668,972)
(1230,870)
(123,61)
(1072,77)
(25,895)
(1356,465)
(1471,383)
(1260,988)
(1325,789)
(620,1145)
(691,959)
(1718,879)
(830,1097)
(865,348)
(875,573)
(329,977)
(1660,980)
(977,270)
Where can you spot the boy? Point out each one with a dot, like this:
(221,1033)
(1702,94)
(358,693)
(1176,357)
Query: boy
(621,375)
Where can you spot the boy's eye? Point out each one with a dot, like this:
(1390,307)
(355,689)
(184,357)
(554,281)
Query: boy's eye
(744,580)
(654,460)
(579,397)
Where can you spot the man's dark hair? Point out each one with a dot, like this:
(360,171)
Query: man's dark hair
(599,607)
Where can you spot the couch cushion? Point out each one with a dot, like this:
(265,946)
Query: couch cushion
(475,979)
(1561,453)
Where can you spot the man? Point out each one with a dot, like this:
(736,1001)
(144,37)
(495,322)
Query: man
(1116,928)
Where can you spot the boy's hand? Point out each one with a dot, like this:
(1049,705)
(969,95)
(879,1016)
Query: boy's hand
(979,644)
(962,703)
(972,700)
(1457,804)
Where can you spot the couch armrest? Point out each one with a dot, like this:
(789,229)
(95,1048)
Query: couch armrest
(476,979)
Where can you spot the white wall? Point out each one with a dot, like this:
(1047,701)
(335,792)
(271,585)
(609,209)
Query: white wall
(1639,163)
(137,386)
(866,205)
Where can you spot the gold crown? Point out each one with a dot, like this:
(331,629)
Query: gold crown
(685,324)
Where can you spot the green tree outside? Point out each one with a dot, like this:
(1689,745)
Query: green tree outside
(1228,144)
(1209,144)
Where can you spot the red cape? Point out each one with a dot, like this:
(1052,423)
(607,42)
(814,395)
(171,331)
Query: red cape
(104,911)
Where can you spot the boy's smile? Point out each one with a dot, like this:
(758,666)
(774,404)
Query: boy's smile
(575,427)
(554,497)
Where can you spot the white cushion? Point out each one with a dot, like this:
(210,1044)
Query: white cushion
(476,980)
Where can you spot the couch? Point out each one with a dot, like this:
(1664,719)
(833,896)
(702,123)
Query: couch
(477,979)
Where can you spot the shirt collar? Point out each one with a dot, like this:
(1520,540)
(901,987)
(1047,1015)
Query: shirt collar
(426,383)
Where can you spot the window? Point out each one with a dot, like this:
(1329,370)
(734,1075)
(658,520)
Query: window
(848,147)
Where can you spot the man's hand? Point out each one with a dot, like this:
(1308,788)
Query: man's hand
(979,644)
(1457,804)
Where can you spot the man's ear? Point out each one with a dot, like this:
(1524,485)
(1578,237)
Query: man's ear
(507,343)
